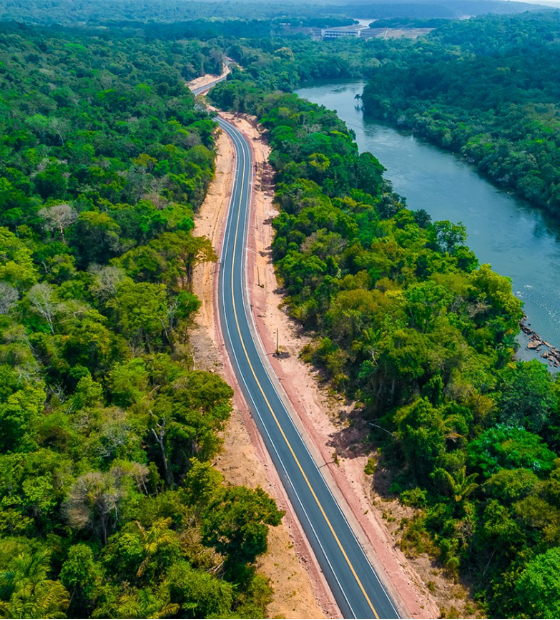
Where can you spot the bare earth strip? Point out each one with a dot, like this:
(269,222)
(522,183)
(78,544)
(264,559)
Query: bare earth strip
(299,590)
(204,80)
(316,412)
(324,420)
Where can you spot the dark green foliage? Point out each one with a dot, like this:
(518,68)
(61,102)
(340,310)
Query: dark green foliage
(203,19)
(235,523)
(283,64)
(103,422)
(527,396)
(110,506)
(111,132)
(486,88)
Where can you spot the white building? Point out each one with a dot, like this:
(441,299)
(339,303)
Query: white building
(342,31)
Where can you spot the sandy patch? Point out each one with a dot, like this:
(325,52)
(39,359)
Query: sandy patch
(244,460)
(203,80)
(332,434)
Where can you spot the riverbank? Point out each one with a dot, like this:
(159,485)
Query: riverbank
(519,241)
(537,344)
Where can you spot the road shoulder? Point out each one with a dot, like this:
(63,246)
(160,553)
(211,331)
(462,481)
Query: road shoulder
(320,417)
(206,79)
(299,590)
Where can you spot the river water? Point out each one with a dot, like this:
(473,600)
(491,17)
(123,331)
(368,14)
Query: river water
(518,241)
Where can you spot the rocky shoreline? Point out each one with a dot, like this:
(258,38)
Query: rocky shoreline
(548,352)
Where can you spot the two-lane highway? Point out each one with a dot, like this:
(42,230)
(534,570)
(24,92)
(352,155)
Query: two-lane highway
(207,87)
(354,583)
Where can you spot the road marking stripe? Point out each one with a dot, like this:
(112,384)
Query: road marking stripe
(276,419)
(267,432)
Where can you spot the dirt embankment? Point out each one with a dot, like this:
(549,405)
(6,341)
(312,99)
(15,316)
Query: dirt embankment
(334,438)
(204,80)
(333,428)
(298,590)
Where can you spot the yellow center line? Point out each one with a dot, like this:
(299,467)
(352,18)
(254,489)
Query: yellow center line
(276,419)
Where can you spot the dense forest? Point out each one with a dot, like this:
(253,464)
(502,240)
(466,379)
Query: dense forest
(487,88)
(105,12)
(284,64)
(109,504)
(409,325)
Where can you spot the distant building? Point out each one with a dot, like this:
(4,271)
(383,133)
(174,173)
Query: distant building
(356,30)
(341,31)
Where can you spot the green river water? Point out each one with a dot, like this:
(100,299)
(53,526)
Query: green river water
(518,241)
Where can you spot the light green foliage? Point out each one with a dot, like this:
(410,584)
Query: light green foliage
(21,405)
(510,447)
(129,381)
(537,587)
(142,313)
(16,265)
(171,258)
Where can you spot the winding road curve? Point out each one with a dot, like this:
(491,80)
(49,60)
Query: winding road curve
(353,581)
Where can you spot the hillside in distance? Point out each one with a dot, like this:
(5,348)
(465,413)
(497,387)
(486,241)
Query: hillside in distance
(83,12)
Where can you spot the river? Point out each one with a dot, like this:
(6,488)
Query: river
(518,241)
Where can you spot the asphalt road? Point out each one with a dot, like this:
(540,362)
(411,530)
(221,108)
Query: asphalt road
(203,89)
(354,583)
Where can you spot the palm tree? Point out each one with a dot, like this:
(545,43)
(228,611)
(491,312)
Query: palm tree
(154,540)
(26,591)
(446,426)
(460,484)
(147,603)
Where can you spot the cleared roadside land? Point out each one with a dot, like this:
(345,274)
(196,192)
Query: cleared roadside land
(393,563)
